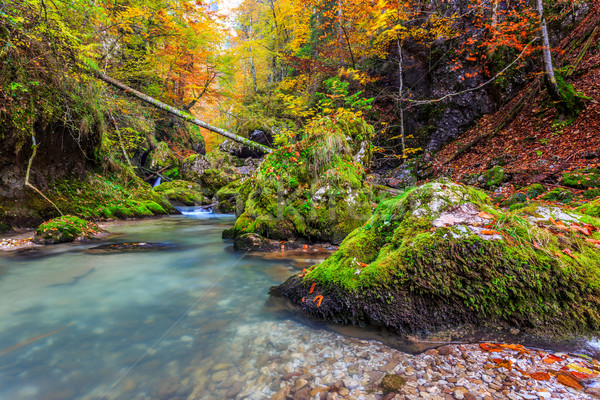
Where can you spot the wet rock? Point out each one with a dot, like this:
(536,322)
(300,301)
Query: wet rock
(282,394)
(302,394)
(393,383)
(444,350)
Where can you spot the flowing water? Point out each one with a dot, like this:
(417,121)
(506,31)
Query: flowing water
(76,323)
(186,320)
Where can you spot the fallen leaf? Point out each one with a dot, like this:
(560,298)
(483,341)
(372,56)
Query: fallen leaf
(500,363)
(362,264)
(492,348)
(312,288)
(568,381)
(485,215)
(578,368)
(540,376)
(569,252)
(551,359)
(489,232)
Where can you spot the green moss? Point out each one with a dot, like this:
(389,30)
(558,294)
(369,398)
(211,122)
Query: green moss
(212,180)
(559,195)
(582,178)
(392,383)
(404,256)
(494,177)
(155,208)
(592,208)
(65,229)
(183,192)
(591,194)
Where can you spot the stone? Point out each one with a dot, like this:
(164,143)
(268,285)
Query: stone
(444,350)
(282,394)
(219,376)
(300,383)
(302,394)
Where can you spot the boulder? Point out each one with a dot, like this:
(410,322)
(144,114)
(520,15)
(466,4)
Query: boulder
(64,229)
(242,151)
(313,190)
(441,255)
(182,192)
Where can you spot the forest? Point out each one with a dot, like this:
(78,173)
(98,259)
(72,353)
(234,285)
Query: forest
(416,176)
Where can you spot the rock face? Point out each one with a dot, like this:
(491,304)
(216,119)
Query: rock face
(65,229)
(182,192)
(312,190)
(440,255)
(241,151)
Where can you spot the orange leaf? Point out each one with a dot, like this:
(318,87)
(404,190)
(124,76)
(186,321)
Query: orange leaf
(489,232)
(318,298)
(537,246)
(362,264)
(503,363)
(516,347)
(594,241)
(492,348)
(312,288)
(551,359)
(568,381)
(569,253)
(485,215)
(540,376)
(581,375)
(576,228)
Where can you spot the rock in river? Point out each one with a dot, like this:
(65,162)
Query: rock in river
(441,255)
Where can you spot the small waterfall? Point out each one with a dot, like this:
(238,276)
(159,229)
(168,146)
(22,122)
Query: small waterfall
(156,183)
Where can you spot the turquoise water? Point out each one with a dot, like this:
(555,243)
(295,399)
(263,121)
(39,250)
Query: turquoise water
(79,325)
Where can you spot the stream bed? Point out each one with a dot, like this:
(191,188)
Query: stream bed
(185,320)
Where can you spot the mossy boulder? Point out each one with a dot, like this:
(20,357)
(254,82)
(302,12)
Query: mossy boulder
(182,192)
(441,255)
(65,229)
(162,156)
(192,167)
(313,190)
(214,179)
(227,197)
(582,178)
(559,195)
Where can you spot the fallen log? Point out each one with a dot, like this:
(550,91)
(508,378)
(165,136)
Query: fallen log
(181,114)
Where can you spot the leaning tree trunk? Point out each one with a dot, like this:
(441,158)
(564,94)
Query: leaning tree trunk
(180,114)
(551,83)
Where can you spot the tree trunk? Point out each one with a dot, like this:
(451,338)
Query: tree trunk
(551,83)
(400,90)
(180,114)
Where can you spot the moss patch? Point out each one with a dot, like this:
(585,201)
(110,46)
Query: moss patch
(592,208)
(582,178)
(440,255)
(65,229)
(182,192)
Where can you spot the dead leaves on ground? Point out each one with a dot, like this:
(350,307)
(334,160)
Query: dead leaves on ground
(572,373)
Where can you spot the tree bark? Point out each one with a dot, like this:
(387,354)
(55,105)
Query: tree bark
(180,114)
(551,83)
(400,90)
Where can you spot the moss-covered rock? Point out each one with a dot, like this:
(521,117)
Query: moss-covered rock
(559,195)
(182,192)
(65,229)
(392,383)
(582,178)
(162,156)
(441,255)
(313,190)
(228,198)
(193,167)
(212,180)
